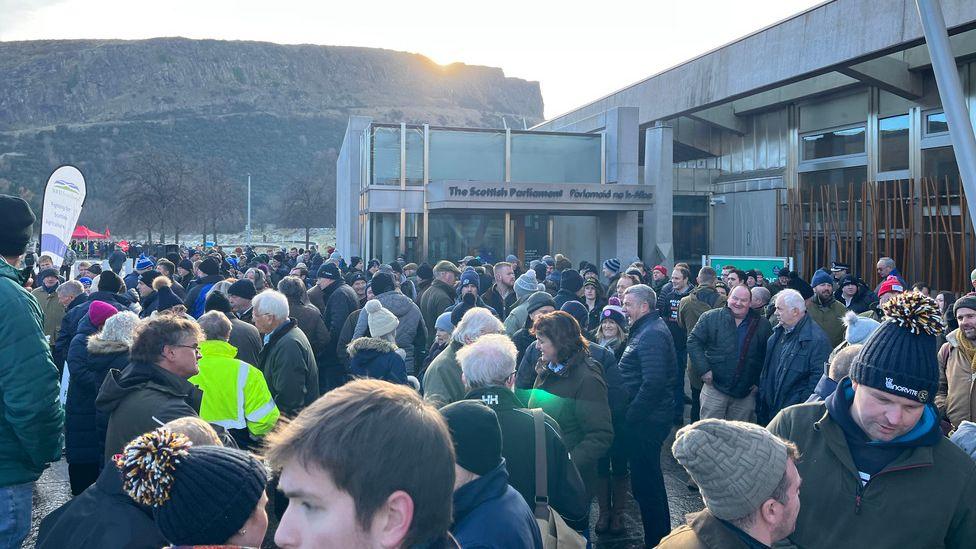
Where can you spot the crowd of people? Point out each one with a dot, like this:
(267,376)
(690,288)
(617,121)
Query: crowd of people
(464,404)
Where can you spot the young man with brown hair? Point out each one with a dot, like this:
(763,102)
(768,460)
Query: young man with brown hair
(367,465)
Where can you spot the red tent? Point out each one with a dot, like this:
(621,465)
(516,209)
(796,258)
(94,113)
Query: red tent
(84,233)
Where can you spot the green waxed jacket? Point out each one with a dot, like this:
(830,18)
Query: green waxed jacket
(925,498)
(31,418)
(442,380)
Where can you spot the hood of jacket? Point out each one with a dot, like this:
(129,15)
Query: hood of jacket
(99,346)
(20,276)
(396,303)
(135,377)
(370,344)
(706,294)
(217,348)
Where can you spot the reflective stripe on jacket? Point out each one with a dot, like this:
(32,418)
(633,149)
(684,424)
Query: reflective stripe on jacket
(235,394)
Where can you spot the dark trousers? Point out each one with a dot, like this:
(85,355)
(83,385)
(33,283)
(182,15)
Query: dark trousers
(695,404)
(643,442)
(81,476)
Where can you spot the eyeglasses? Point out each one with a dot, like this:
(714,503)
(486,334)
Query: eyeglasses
(196,348)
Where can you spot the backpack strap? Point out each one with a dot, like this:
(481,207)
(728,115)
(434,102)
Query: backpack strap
(541,476)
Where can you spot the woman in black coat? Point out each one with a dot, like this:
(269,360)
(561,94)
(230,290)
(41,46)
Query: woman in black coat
(91,355)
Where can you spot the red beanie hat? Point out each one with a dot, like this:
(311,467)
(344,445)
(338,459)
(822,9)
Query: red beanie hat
(891,284)
(99,312)
(661,269)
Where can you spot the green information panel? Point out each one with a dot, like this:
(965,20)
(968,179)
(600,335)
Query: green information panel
(768,266)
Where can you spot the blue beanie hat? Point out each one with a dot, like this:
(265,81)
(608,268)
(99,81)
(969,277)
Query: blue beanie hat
(612,264)
(821,277)
(578,311)
(900,357)
(470,277)
(443,322)
(143,263)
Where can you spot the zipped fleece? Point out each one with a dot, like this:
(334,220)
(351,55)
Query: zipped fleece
(924,498)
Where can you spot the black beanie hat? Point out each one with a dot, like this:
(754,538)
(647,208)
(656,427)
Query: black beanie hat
(200,495)
(186,264)
(209,266)
(16,225)
(537,301)
(95,269)
(216,301)
(476,435)
(578,311)
(571,281)
(148,277)
(540,271)
(467,303)
(900,357)
(381,283)
(165,298)
(243,288)
(108,281)
(425,272)
(330,271)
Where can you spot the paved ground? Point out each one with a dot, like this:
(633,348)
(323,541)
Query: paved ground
(52,490)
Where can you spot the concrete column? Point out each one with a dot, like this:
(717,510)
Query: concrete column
(659,172)
(617,236)
(623,139)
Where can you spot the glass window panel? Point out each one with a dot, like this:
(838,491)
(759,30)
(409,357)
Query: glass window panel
(467,156)
(415,156)
(547,158)
(455,235)
(833,143)
(893,143)
(386,156)
(936,123)
(384,236)
(414,237)
(940,164)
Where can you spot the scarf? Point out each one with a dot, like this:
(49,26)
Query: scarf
(967,348)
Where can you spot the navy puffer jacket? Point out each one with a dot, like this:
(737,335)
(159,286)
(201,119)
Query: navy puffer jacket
(649,371)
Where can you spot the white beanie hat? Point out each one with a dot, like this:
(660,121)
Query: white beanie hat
(380,320)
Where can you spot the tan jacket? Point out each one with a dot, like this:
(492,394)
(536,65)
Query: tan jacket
(53,312)
(956,398)
(703,531)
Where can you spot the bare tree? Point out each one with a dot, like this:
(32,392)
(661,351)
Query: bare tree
(219,199)
(155,190)
(305,205)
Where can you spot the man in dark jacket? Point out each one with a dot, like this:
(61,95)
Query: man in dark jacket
(439,296)
(243,336)
(727,348)
(570,288)
(340,301)
(488,512)
(116,260)
(31,419)
(488,365)
(196,296)
(287,359)
(668,302)
(501,295)
(699,300)
(153,388)
(875,463)
(71,294)
(795,358)
(649,371)
(855,295)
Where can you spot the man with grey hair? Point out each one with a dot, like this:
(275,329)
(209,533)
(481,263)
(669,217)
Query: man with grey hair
(795,357)
(488,370)
(886,267)
(442,381)
(287,359)
(70,294)
(649,371)
(760,299)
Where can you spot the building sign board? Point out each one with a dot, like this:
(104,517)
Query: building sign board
(466,194)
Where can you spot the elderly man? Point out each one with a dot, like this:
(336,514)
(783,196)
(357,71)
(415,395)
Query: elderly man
(727,348)
(46,295)
(240,295)
(32,421)
(442,381)
(795,357)
(754,502)
(70,294)
(826,310)
(649,371)
(760,297)
(235,393)
(286,359)
(886,267)
(153,388)
(877,470)
(439,296)
(955,398)
(488,370)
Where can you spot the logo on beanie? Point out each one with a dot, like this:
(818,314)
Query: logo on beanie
(922,395)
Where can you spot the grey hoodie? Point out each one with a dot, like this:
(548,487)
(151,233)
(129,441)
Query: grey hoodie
(411,333)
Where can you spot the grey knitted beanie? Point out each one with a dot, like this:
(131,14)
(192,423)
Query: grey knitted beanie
(736,465)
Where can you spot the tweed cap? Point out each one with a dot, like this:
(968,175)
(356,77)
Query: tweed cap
(736,465)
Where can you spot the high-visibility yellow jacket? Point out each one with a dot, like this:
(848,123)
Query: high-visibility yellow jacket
(235,394)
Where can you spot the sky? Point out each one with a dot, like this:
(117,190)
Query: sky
(578,51)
